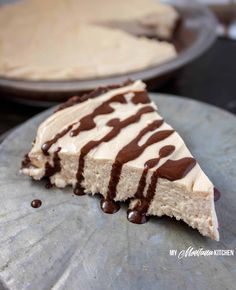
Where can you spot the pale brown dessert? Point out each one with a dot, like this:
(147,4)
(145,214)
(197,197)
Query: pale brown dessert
(113,141)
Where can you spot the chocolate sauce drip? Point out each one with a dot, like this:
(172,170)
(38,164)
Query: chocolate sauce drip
(132,151)
(36,203)
(87,122)
(140,98)
(78,190)
(163,152)
(171,170)
(109,206)
(217,194)
(137,216)
(93,94)
(47,145)
(48,185)
(26,162)
(117,126)
(55,167)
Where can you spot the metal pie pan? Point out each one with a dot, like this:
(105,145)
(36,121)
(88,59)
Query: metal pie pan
(194,35)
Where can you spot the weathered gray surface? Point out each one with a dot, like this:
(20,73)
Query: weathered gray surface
(69,243)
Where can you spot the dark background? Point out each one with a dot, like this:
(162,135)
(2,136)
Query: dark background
(211,79)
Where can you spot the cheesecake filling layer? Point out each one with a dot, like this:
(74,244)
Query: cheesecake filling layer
(118,145)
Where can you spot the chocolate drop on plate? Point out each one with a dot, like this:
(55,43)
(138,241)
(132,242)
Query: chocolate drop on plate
(36,203)
(50,170)
(217,194)
(109,206)
(137,217)
(78,190)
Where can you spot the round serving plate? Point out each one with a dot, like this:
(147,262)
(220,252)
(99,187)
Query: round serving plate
(69,243)
(195,34)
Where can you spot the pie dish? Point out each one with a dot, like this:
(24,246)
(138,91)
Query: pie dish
(194,35)
(61,40)
(113,141)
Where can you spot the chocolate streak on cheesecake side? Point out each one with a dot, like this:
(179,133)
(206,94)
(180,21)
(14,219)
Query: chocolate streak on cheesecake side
(117,126)
(26,162)
(132,151)
(50,170)
(171,170)
(163,152)
(134,215)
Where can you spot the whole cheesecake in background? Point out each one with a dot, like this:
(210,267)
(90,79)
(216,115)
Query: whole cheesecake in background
(75,39)
(113,141)
(139,17)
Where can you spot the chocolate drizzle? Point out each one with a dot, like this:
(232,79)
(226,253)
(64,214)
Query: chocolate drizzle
(93,94)
(47,145)
(48,184)
(50,170)
(137,216)
(163,152)
(109,206)
(117,126)
(132,150)
(78,190)
(26,162)
(140,97)
(171,170)
(36,203)
(87,122)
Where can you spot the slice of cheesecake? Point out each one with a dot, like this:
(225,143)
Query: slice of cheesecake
(114,142)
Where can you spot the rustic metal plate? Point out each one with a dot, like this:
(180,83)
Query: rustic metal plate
(69,243)
(194,36)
